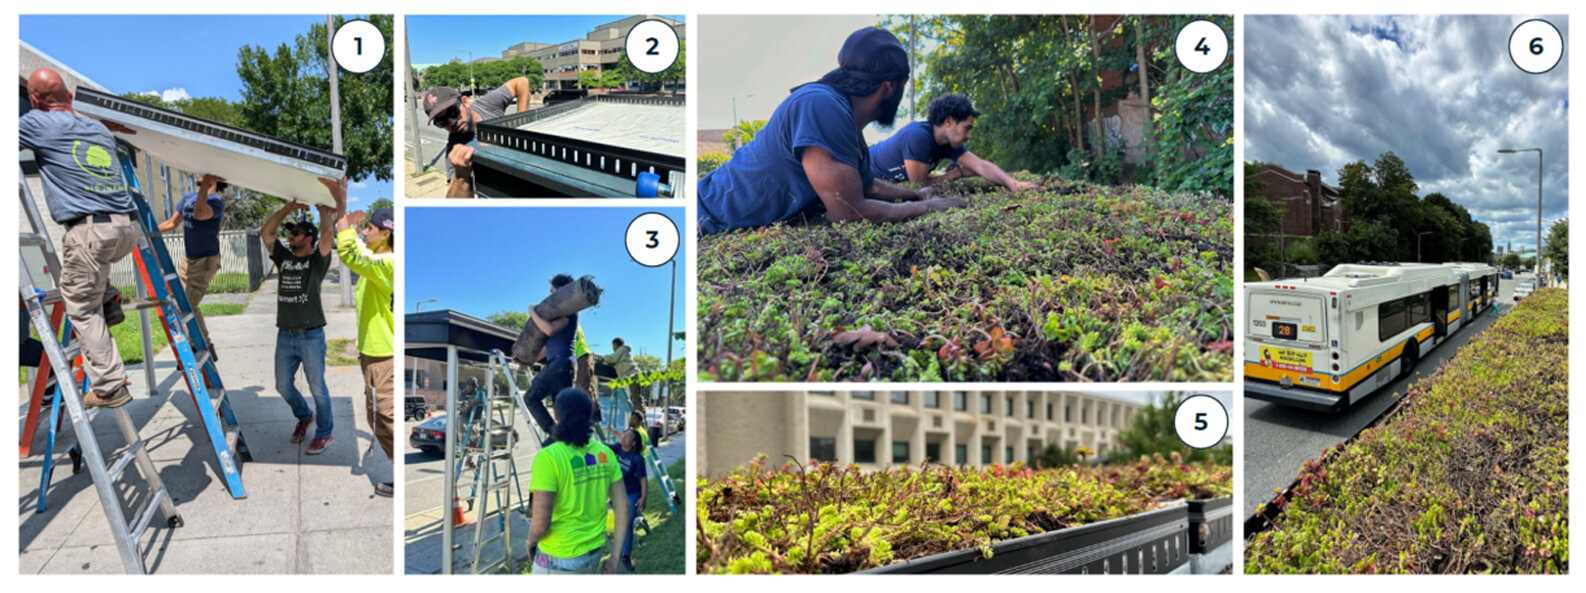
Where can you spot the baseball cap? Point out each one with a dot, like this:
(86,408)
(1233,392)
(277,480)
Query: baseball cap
(875,52)
(381,219)
(438,99)
(306,226)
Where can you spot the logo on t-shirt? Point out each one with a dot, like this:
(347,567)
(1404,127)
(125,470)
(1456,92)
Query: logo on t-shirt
(93,160)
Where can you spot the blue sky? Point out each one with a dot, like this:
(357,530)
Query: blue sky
(482,260)
(439,39)
(173,55)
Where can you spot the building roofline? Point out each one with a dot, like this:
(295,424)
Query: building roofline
(59,67)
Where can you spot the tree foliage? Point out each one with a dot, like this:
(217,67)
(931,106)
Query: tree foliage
(514,320)
(1039,79)
(1151,432)
(486,75)
(674,74)
(1557,247)
(1387,219)
(286,94)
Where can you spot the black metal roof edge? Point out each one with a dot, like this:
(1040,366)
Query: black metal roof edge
(106,100)
(452,317)
(659,161)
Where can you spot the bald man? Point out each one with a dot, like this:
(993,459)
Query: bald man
(86,193)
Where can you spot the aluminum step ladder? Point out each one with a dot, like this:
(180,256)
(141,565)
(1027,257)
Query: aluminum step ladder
(60,354)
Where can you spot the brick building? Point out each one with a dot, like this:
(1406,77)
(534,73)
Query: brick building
(1308,205)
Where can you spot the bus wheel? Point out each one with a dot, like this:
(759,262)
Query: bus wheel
(1407,362)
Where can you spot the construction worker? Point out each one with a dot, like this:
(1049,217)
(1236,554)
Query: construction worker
(811,155)
(85,193)
(300,319)
(375,265)
(584,373)
(911,153)
(621,358)
(200,222)
(557,374)
(448,109)
(572,480)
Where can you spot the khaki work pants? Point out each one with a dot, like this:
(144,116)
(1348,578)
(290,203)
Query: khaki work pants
(379,389)
(196,274)
(87,251)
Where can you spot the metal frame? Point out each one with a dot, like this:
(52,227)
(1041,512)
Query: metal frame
(93,103)
(623,163)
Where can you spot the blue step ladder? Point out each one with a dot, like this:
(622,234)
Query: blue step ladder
(157,273)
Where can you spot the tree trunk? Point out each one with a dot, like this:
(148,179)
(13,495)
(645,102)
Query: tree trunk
(1095,64)
(1145,82)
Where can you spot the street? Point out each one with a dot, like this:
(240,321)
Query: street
(1280,439)
(426,502)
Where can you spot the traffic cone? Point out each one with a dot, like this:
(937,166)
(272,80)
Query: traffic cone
(459,517)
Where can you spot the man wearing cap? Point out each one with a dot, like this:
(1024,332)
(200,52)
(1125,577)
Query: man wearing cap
(299,318)
(374,263)
(914,151)
(85,193)
(200,221)
(811,155)
(448,109)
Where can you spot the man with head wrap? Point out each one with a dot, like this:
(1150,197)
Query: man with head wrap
(812,153)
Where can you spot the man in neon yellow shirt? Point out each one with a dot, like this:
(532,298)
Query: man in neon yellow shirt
(572,481)
(374,263)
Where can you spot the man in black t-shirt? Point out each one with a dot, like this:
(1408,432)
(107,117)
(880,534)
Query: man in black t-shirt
(557,374)
(300,339)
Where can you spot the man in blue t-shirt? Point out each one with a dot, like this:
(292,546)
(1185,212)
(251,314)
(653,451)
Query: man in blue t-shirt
(557,374)
(200,221)
(914,151)
(811,155)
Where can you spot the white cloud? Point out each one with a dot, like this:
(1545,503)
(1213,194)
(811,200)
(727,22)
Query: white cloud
(357,185)
(170,95)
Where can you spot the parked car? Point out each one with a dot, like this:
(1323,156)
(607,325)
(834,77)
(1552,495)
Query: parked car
(415,408)
(675,413)
(1523,290)
(663,423)
(1507,275)
(429,436)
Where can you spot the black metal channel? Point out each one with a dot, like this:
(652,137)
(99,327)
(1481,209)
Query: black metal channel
(213,129)
(627,163)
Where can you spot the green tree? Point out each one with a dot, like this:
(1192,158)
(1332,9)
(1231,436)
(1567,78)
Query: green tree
(1151,431)
(286,94)
(513,320)
(1557,247)
(646,363)
(1055,456)
(742,132)
(1511,261)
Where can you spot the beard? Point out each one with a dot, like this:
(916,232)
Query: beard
(887,111)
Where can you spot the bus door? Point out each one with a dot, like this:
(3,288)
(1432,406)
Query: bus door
(1440,311)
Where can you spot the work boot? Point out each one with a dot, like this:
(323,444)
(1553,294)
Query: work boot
(120,398)
(301,431)
(317,446)
(384,489)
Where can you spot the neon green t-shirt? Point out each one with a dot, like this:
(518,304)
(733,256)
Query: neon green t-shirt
(580,347)
(581,479)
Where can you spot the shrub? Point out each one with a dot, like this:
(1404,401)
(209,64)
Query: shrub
(710,161)
(1070,282)
(1469,475)
(834,519)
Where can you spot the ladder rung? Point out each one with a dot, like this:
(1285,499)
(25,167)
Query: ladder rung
(499,485)
(490,540)
(502,454)
(126,458)
(171,276)
(232,434)
(136,530)
(138,305)
(33,239)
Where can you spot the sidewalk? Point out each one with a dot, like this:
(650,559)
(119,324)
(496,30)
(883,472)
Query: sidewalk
(303,514)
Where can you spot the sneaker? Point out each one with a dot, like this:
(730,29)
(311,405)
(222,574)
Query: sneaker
(317,446)
(120,398)
(384,489)
(301,432)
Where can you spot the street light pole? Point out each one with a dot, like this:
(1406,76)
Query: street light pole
(420,305)
(670,316)
(1537,260)
(471,83)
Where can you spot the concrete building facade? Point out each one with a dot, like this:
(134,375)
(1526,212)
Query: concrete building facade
(601,49)
(878,429)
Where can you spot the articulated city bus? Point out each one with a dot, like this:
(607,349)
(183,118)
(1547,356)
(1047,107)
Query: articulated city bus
(1325,343)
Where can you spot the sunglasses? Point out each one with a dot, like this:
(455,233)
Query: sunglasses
(449,117)
(300,234)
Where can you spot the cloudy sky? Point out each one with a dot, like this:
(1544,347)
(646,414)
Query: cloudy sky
(1440,92)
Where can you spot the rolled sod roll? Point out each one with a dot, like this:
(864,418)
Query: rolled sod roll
(567,300)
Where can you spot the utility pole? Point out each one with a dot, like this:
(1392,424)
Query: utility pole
(335,144)
(413,104)
(670,316)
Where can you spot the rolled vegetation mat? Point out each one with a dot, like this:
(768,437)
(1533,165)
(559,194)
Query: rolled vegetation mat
(567,300)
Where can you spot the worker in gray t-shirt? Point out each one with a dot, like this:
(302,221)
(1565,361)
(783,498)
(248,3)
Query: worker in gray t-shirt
(446,108)
(86,193)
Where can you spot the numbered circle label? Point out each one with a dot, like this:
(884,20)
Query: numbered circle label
(652,46)
(358,46)
(1201,421)
(652,239)
(1202,46)
(1536,46)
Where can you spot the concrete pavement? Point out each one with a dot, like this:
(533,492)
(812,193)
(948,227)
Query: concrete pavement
(302,515)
